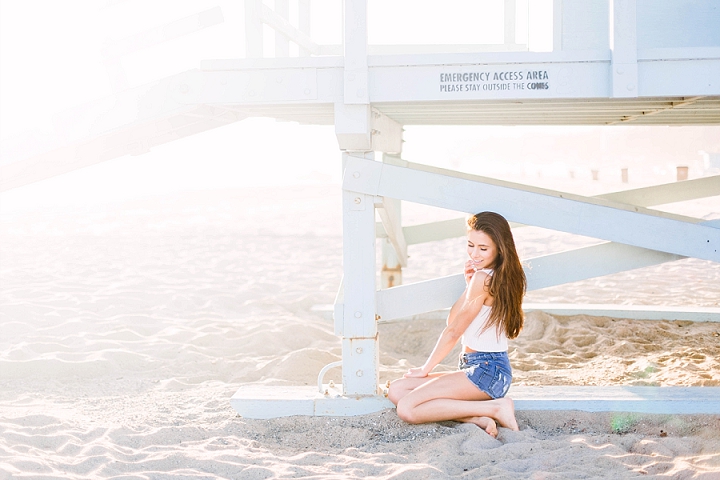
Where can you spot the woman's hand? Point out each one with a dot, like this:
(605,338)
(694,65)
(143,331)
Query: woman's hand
(469,271)
(417,372)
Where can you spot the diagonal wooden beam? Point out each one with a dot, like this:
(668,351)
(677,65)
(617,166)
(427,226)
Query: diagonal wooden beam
(640,197)
(590,262)
(599,218)
(667,193)
(545,271)
(390,219)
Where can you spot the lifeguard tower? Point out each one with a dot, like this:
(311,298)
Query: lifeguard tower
(635,62)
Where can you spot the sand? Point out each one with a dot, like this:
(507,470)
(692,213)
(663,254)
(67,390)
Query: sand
(126,327)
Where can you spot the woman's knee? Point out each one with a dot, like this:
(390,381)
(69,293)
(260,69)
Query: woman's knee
(406,412)
(397,390)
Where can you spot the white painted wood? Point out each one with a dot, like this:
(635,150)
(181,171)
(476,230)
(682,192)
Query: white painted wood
(585,25)
(387,134)
(589,262)
(353,127)
(358,265)
(623,45)
(391,270)
(262,402)
(642,197)
(416,298)
(355,44)
(285,32)
(253,29)
(558,211)
(667,193)
(389,212)
(359,328)
(692,77)
(360,365)
(679,53)
(542,272)
(488,80)
(429,232)
(557,25)
(677,23)
(659,400)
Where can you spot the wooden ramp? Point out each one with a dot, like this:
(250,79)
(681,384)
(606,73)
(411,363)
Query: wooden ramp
(258,401)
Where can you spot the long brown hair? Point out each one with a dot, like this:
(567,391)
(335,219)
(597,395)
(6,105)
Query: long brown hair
(507,284)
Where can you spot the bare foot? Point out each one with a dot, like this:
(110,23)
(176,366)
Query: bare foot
(486,423)
(506,413)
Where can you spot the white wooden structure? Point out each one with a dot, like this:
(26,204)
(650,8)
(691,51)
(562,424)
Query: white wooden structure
(639,62)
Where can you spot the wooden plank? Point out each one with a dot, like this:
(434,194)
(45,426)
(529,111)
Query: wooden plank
(642,197)
(355,85)
(668,193)
(542,272)
(284,31)
(597,218)
(259,401)
(659,400)
(589,262)
(419,297)
(359,326)
(389,212)
(623,48)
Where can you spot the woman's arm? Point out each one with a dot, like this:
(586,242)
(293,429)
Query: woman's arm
(462,313)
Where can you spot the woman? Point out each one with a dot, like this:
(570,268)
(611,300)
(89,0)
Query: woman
(487,313)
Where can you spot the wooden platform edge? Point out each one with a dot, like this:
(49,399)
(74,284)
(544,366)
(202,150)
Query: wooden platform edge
(263,402)
(656,400)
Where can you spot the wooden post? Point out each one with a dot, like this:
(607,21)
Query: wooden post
(623,45)
(359,328)
(391,272)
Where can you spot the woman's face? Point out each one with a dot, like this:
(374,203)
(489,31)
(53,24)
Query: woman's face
(482,249)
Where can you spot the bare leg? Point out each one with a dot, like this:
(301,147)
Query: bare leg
(450,397)
(402,386)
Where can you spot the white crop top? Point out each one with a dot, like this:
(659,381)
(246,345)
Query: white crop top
(488,341)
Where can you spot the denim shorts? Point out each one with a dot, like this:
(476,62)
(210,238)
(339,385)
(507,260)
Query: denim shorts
(489,371)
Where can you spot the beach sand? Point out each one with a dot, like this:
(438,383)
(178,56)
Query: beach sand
(126,327)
